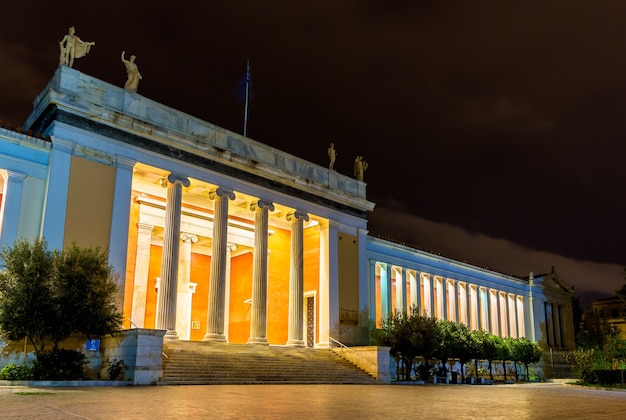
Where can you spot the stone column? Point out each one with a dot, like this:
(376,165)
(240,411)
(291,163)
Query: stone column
(169,265)
(469,304)
(185,287)
(118,240)
(142,267)
(258,312)
(372,291)
(55,209)
(10,209)
(296,279)
(431,286)
(217,285)
(328,297)
(444,298)
(556,314)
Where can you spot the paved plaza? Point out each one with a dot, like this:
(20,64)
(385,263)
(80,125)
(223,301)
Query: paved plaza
(526,401)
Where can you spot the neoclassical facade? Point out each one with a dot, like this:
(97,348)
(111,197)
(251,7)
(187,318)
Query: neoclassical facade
(217,237)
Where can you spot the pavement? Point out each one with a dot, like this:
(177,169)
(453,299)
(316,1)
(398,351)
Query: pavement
(517,401)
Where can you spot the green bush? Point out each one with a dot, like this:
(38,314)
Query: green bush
(116,370)
(13,372)
(60,365)
(583,362)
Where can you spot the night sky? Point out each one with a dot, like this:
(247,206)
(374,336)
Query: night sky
(495,132)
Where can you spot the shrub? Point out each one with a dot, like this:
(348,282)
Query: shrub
(116,370)
(13,372)
(60,365)
(583,365)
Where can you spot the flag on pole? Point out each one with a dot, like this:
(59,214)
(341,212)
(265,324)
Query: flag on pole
(245,113)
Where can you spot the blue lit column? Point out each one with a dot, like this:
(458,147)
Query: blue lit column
(11,204)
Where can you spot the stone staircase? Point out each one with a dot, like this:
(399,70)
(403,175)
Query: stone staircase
(200,363)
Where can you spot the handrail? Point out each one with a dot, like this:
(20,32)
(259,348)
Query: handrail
(360,356)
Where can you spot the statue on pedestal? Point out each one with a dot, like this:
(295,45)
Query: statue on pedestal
(332,154)
(133,73)
(360,166)
(73,47)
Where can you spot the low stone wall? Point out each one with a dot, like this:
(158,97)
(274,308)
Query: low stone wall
(141,350)
(372,359)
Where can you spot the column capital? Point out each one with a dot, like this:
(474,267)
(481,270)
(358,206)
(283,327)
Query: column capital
(184,236)
(173,179)
(262,204)
(222,193)
(145,227)
(297,214)
(125,163)
(15,176)
(62,145)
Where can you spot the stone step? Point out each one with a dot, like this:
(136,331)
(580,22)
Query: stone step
(218,363)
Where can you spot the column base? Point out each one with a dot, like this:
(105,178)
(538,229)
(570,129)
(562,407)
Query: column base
(170,335)
(258,340)
(215,337)
(295,343)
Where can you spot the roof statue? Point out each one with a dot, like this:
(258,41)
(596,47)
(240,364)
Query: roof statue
(73,47)
(133,73)
(332,154)
(360,165)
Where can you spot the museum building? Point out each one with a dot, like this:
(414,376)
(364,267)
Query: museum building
(217,237)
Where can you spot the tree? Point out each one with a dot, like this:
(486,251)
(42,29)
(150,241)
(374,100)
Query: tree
(408,337)
(27,293)
(525,351)
(504,353)
(490,350)
(47,296)
(454,342)
(595,333)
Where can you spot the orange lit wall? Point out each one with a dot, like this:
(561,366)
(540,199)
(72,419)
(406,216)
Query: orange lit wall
(278,286)
(240,291)
(240,284)
(200,273)
(151,295)
(130,263)
(312,267)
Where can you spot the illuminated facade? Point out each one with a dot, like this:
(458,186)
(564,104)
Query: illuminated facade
(217,237)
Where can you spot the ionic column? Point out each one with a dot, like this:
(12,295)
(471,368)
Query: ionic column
(217,285)
(296,279)
(142,267)
(169,265)
(258,312)
(185,292)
